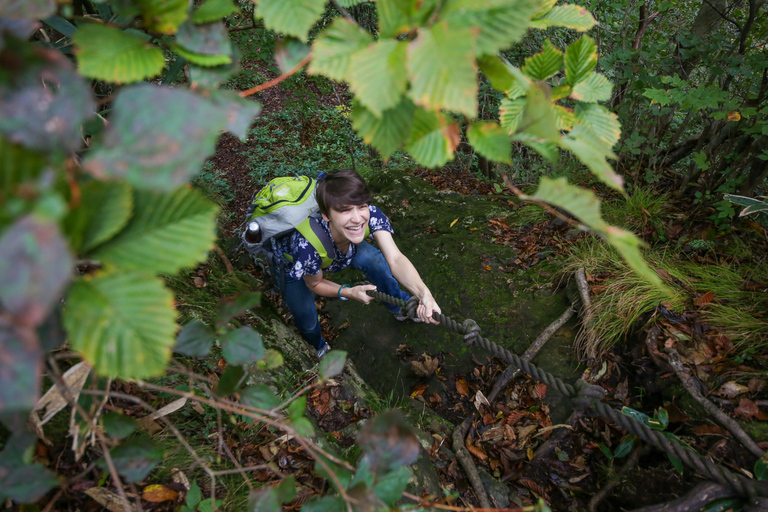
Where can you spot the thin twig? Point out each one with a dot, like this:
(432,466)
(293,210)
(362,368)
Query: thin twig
(113,473)
(275,81)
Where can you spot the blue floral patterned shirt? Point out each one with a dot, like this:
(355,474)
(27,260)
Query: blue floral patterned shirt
(306,259)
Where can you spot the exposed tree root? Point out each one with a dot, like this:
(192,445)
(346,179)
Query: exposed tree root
(615,478)
(224,259)
(460,432)
(692,386)
(697,498)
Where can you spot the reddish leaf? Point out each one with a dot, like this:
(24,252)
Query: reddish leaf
(704,299)
(710,430)
(747,409)
(461,386)
(477,452)
(541,390)
(158,493)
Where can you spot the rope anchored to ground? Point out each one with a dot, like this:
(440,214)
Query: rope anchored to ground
(587,395)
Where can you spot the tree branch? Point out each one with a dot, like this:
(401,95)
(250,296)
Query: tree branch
(277,80)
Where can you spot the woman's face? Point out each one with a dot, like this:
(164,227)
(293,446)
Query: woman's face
(348,224)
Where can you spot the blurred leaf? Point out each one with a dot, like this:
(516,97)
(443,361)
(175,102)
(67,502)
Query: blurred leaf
(213,10)
(642,418)
(259,396)
(158,493)
(391,486)
(286,491)
(366,500)
(663,417)
(291,17)
(544,64)
(207,506)
(242,346)
(676,463)
(625,447)
(303,427)
(491,141)
(377,75)
(502,23)
(568,16)
(233,306)
(230,380)
(504,76)
(388,442)
(332,364)
(27,9)
(385,133)
(761,468)
(363,474)
(19,166)
(539,117)
(264,499)
(163,16)
(118,426)
(168,231)
(580,60)
(195,340)
(104,209)
(342,473)
(159,137)
(35,265)
(511,113)
(240,111)
(289,52)
(194,495)
(208,39)
(400,16)
(211,76)
(123,324)
(593,89)
(272,359)
(564,118)
(20,369)
(324,504)
(297,408)
(26,484)
(432,140)
(110,54)
(135,458)
(442,69)
(202,59)
(43,101)
(333,49)
(606,451)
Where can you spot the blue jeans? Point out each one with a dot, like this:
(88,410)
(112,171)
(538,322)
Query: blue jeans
(301,300)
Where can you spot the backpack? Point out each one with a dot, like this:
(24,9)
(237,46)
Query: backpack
(283,205)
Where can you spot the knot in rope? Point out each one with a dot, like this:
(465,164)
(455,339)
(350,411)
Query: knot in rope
(471,332)
(409,309)
(586,393)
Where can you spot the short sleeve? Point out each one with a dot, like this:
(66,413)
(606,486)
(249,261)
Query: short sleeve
(378,221)
(306,259)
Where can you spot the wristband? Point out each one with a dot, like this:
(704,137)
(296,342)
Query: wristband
(339,293)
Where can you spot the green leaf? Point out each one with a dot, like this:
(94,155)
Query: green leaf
(724,505)
(27,484)
(388,442)
(625,447)
(158,137)
(264,500)
(501,23)
(213,10)
(208,39)
(35,265)
(539,119)
(433,140)
(545,63)
(19,166)
(496,69)
(163,16)
(272,359)
(296,408)
(291,17)
(343,474)
(676,463)
(194,495)
(564,118)
(303,427)
(20,370)
(333,49)
(230,380)
(592,153)
(104,210)
(580,60)
(110,54)
(593,89)
(391,486)
(200,59)
(135,458)
(233,306)
(377,75)
(167,232)
(207,505)
(441,66)
(117,425)
(289,52)
(240,111)
(123,324)
(511,113)
(491,141)
(242,346)
(210,77)
(259,396)
(332,364)
(286,491)
(385,133)
(606,451)
(602,124)
(324,504)
(761,469)
(43,102)
(195,340)
(663,417)
(568,16)
(400,16)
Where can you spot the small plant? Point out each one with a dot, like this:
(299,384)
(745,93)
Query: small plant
(196,503)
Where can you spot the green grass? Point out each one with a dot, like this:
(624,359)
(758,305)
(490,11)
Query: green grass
(643,206)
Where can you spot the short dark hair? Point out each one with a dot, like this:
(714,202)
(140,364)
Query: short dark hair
(344,187)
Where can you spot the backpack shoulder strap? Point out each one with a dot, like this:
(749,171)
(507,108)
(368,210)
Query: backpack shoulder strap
(319,239)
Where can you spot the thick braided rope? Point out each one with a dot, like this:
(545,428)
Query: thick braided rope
(586,394)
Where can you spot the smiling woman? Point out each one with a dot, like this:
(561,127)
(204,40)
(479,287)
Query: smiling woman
(347,219)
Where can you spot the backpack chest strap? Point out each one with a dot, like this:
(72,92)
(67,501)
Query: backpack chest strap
(319,239)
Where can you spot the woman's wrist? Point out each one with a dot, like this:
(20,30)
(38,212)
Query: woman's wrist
(339,294)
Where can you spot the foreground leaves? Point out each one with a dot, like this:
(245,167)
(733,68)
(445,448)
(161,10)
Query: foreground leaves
(292,17)
(20,369)
(122,324)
